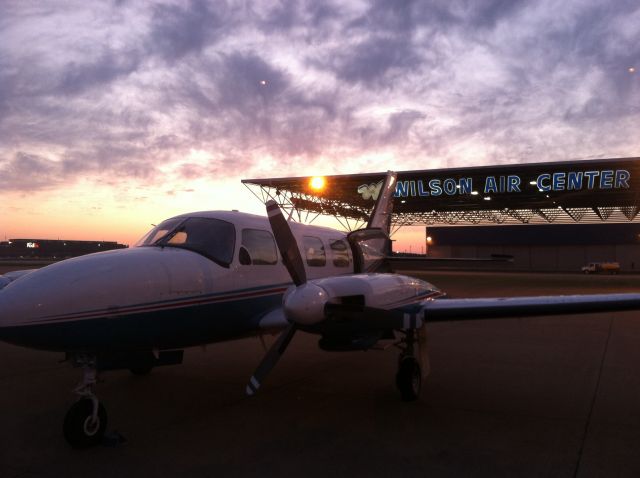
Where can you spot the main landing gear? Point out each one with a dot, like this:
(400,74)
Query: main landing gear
(86,421)
(411,369)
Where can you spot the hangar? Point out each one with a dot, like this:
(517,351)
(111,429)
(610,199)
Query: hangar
(542,247)
(462,205)
(52,248)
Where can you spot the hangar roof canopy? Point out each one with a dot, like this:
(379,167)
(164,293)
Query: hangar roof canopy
(560,192)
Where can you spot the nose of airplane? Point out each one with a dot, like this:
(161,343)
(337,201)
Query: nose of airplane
(97,285)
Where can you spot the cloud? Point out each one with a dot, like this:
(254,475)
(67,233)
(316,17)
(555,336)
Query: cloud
(26,172)
(109,67)
(130,90)
(178,29)
(400,124)
(377,58)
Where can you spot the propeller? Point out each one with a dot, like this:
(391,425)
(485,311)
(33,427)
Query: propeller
(292,259)
(308,303)
(270,359)
(286,244)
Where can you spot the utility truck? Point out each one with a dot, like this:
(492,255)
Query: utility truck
(601,268)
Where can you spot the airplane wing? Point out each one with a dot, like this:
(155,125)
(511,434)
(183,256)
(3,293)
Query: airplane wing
(440,310)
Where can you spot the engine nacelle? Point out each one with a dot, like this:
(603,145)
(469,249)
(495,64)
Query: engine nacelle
(305,304)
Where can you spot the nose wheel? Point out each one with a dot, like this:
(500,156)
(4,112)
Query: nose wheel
(82,428)
(86,420)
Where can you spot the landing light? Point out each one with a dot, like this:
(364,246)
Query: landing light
(317,183)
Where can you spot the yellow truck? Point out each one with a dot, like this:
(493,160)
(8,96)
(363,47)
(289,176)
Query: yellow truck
(601,268)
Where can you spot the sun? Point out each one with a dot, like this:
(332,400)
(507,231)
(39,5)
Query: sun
(317,183)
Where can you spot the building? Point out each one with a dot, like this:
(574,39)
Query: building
(548,216)
(52,249)
(545,247)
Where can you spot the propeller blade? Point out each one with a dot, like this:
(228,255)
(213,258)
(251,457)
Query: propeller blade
(374,317)
(270,360)
(286,244)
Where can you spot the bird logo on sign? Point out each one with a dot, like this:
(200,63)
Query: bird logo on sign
(370,191)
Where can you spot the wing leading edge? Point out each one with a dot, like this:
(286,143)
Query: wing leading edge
(440,310)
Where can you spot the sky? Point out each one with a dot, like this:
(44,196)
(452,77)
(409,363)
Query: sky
(116,115)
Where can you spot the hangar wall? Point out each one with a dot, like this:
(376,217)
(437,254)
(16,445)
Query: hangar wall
(562,248)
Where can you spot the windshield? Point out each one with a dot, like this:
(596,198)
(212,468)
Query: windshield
(213,238)
(158,232)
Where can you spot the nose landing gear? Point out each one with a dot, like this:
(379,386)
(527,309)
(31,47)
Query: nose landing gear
(86,420)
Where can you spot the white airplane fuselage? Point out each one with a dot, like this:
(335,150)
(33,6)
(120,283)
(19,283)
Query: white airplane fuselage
(167,296)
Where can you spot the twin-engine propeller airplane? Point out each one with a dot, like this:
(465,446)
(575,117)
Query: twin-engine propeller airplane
(213,276)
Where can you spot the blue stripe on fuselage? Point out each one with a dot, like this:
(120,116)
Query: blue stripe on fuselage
(163,329)
(174,303)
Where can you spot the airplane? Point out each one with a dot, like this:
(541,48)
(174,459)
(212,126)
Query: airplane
(209,277)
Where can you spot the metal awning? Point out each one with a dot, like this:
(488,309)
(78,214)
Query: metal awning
(560,192)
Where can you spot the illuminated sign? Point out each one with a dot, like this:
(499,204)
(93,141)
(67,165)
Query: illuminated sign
(32,245)
(371,191)
(558,181)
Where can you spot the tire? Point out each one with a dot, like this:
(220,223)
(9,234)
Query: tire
(409,379)
(78,431)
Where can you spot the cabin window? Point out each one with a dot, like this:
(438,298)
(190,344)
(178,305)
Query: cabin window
(213,238)
(314,251)
(258,248)
(339,252)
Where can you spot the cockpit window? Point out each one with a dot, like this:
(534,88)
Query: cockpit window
(210,237)
(158,232)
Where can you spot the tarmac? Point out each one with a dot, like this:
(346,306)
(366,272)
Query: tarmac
(554,396)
